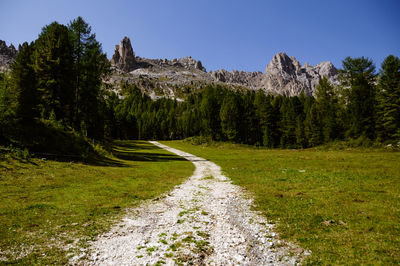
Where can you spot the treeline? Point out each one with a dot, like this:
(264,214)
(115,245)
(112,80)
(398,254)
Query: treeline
(365,106)
(55,86)
(55,83)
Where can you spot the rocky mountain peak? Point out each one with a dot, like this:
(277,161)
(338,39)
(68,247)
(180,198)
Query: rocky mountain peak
(285,75)
(189,62)
(326,69)
(7,55)
(282,63)
(124,57)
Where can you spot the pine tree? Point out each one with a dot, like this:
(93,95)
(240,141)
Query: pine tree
(266,119)
(25,84)
(301,139)
(210,107)
(249,121)
(229,115)
(358,78)
(90,66)
(53,65)
(313,127)
(290,109)
(388,125)
(326,105)
(8,108)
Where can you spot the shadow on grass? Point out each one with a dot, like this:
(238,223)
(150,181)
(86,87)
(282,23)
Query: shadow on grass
(123,151)
(99,160)
(149,157)
(139,151)
(136,151)
(134,144)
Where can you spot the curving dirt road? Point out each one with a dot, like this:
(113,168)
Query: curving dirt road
(206,220)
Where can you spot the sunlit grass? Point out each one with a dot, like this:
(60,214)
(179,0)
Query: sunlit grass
(47,205)
(344,206)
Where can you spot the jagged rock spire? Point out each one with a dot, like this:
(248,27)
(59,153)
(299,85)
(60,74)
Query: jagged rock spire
(124,57)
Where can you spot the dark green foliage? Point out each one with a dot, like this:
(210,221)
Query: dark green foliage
(210,107)
(249,121)
(326,104)
(8,108)
(301,139)
(230,117)
(56,82)
(25,84)
(267,120)
(313,127)
(53,66)
(90,65)
(291,111)
(358,78)
(388,126)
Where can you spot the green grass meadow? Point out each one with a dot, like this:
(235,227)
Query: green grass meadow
(46,206)
(343,206)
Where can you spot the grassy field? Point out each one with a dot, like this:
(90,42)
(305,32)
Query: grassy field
(48,209)
(344,206)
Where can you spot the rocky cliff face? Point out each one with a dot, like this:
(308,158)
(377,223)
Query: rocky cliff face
(157,77)
(250,80)
(285,75)
(7,55)
(124,57)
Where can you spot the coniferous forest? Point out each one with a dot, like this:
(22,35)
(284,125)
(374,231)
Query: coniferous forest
(54,99)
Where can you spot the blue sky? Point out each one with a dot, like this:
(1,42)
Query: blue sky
(228,34)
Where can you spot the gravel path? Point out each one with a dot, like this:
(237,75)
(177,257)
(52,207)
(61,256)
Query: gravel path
(204,221)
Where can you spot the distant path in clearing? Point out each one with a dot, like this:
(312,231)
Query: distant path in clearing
(206,220)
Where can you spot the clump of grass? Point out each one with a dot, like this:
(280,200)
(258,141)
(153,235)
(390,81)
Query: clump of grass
(150,250)
(163,241)
(175,246)
(204,212)
(160,262)
(183,213)
(169,255)
(203,234)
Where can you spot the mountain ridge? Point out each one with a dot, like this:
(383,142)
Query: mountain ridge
(283,75)
(174,78)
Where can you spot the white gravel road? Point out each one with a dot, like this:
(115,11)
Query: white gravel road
(205,221)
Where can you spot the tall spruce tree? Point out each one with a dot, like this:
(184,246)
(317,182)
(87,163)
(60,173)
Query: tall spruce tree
(358,78)
(326,104)
(267,126)
(249,121)
(230,116)
(313,127)
(25,84)
(8,108)
(388,124)
(90,66)
(210,107)
(53,65)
